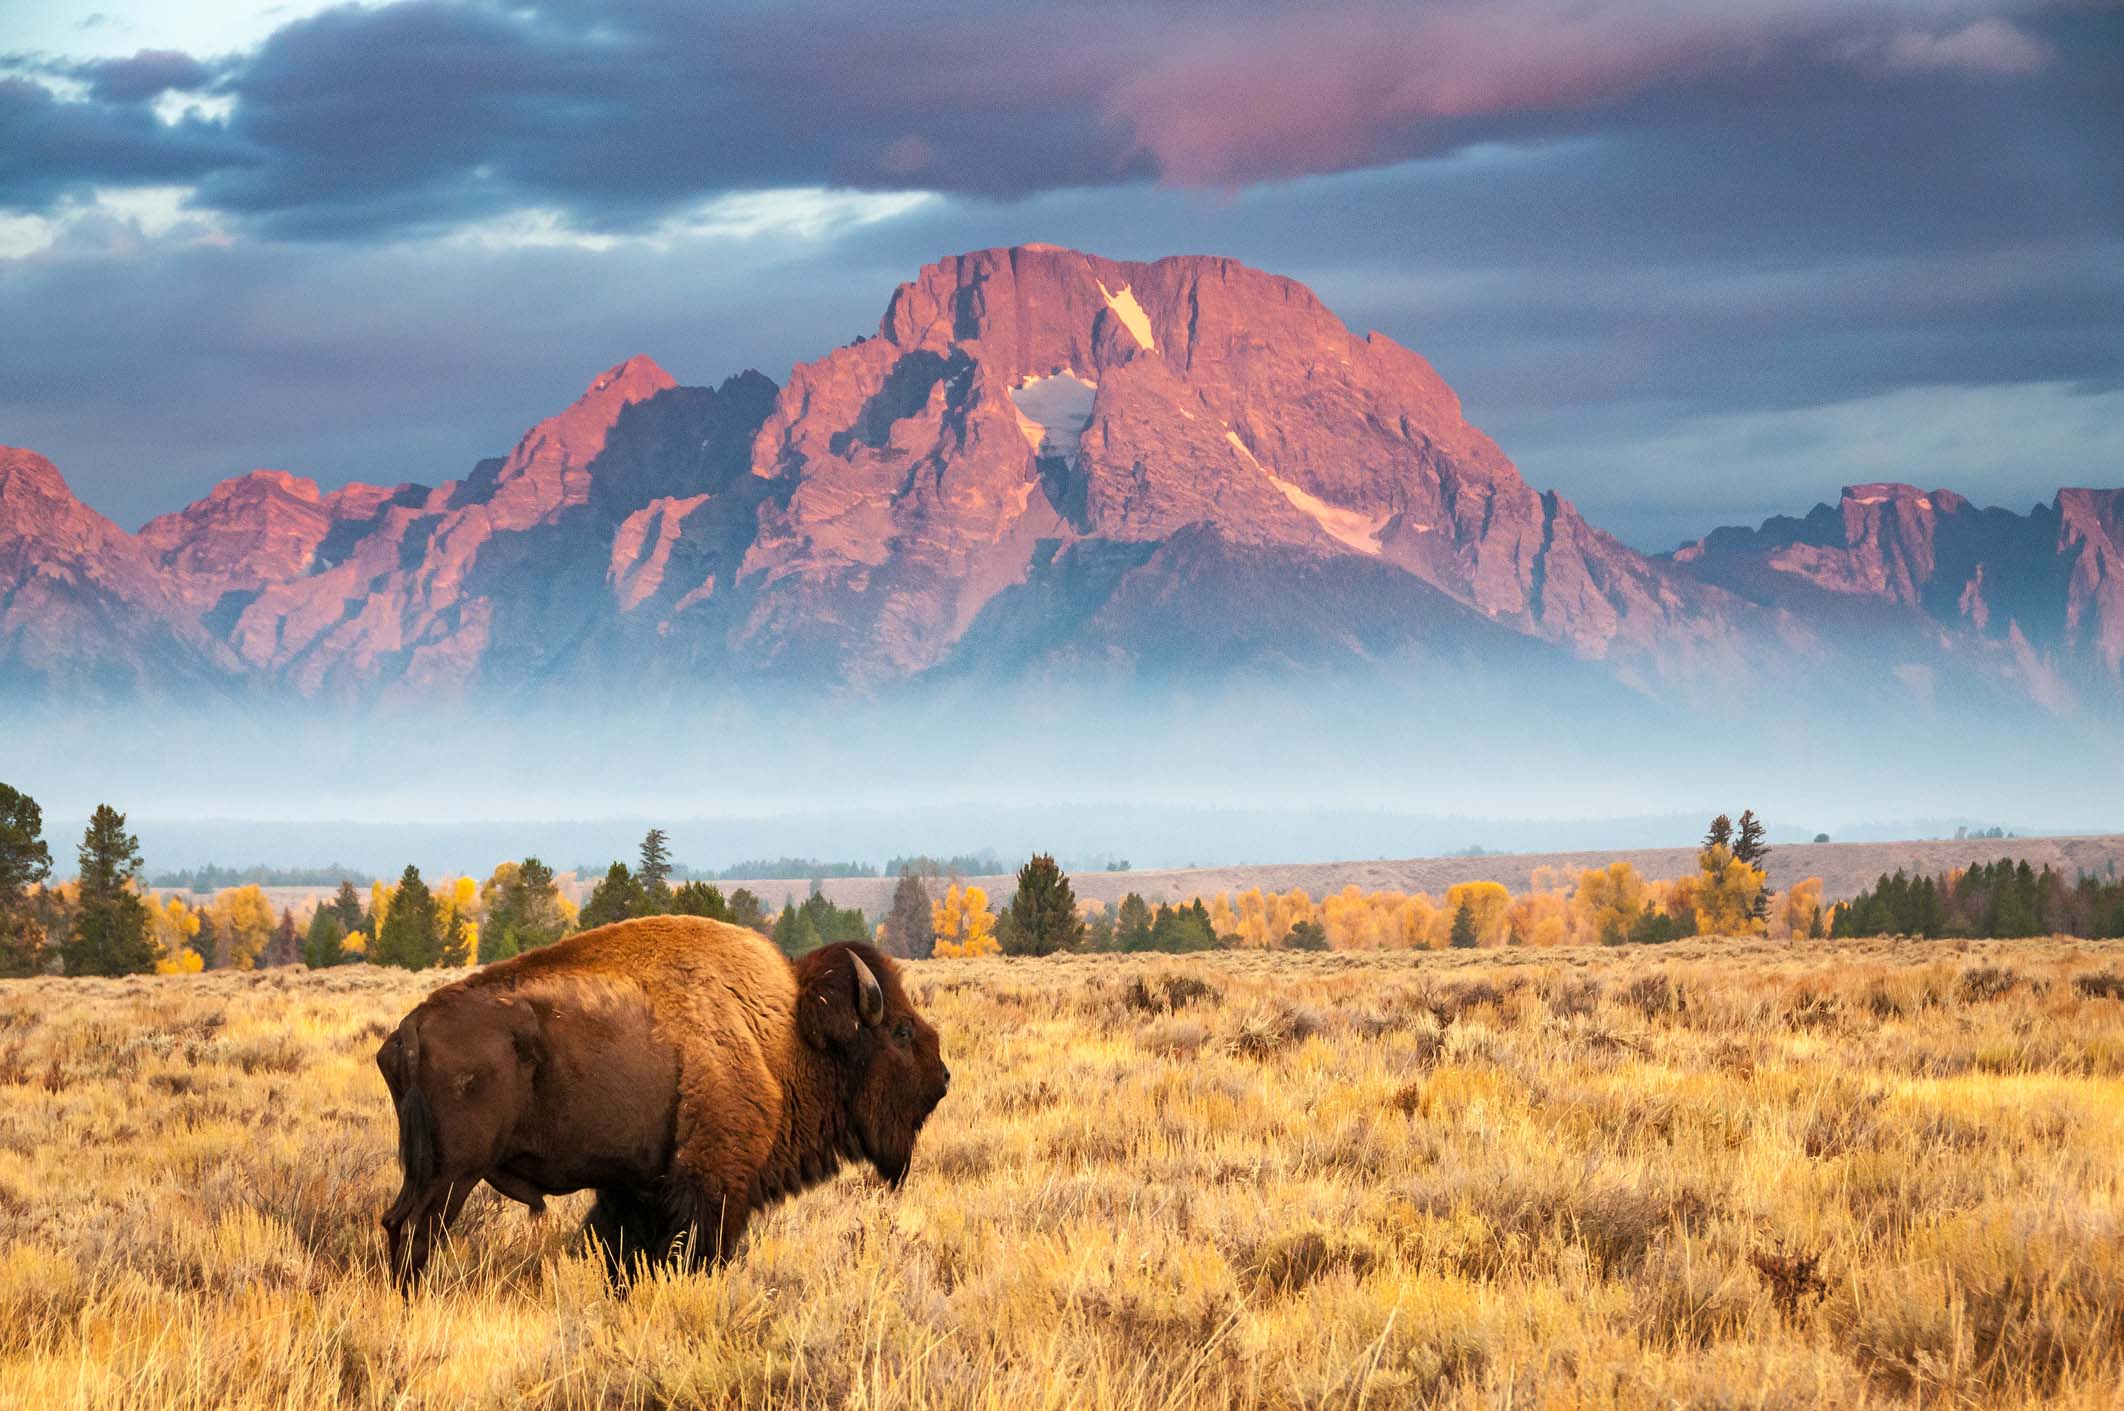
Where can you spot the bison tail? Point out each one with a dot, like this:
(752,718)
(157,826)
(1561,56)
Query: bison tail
(416,1132)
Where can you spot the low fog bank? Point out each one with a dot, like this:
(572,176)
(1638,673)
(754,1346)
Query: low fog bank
(1302,768)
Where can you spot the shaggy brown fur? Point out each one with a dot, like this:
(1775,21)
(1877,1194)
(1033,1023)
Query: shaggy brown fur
(682,1068)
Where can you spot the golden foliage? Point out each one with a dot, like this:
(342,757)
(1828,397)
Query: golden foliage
(243,924)
(1727,889)
(965,926)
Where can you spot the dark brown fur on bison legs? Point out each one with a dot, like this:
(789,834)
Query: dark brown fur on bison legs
(681,1068)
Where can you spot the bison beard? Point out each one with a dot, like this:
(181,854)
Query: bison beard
(680,1068)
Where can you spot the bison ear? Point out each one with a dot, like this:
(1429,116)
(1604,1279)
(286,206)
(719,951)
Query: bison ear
(826,1008)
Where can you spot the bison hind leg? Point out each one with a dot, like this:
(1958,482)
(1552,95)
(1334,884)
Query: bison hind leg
(629,1229)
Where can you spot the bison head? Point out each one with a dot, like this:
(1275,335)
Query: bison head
(851,1007)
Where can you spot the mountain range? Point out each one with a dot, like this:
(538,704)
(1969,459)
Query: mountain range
(1044,466)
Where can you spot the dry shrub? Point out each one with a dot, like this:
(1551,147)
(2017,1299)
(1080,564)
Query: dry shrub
(1175,1036)
(1792,1278)
(1573,999)
(1290,1262)
(1268,1028)
(1983,984)
(1164,992)
(2103,984)
(1652,995)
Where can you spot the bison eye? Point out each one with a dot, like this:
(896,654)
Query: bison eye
(903,1031)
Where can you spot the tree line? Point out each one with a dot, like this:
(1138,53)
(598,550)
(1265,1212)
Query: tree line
(2003,899)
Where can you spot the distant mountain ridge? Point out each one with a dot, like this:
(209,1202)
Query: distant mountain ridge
(1045,464)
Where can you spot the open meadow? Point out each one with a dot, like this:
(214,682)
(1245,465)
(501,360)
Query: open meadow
(1715,1173)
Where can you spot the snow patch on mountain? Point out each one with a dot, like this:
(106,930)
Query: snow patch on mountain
(1131,315)
(1359,531)
(1053,411)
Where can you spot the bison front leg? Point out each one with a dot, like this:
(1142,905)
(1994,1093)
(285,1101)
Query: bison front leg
(708,1218)
(629,1229)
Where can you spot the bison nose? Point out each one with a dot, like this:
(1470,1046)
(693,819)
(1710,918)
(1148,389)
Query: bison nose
(947,1080)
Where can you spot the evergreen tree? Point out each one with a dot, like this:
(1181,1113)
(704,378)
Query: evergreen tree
(1311,935)
(523,911)
(206,942)
(1181,929)
(456,942)
(411,935)
(834,923)
(1749,836)
(24,861)
(618,897)
(111,930)
(1750,846)
(796,932)
(1463,934)
(745,911)
(700,899)
(321,947)
(346,905)
(1132,923)
(1720,834)
(1042,917)
(655,874)
(286,948)
(1099,931)
(910,926)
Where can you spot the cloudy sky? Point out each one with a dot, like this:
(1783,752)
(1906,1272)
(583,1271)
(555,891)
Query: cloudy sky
(1691,261)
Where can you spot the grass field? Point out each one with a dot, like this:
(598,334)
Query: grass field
(1716,1174)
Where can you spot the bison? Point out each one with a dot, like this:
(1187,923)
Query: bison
(682,1068)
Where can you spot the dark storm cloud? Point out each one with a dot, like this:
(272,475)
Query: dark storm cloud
(51,149)
(424,113)
(146,75)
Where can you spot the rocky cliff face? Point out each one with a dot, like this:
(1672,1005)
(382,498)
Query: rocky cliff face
(2041,593)
(1036,414)
(1044,462)
(86,611)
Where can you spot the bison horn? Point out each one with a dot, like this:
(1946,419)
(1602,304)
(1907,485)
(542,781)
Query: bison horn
(870,995)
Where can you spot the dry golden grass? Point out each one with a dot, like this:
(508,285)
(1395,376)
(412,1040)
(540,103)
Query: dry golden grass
(1712,1174)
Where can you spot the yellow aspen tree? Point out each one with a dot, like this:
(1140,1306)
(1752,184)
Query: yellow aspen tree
(964,925)
(176,925)
(1610,900)
(1487,902)
(1799,911)
(1726,893)
(244,920)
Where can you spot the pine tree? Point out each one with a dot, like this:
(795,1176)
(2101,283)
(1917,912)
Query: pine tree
(287,943)
(24,860)
(346,905)
(745,910)
(111,931)
(655,874)
(1132,923)
(1463,934)
(910,927)
(618,897)
(700,899)
(456,947)
(1042,918)
(411,935)
(206,942)
(321,947)
(1748,840)
(796,932)
(1721,833)
(523,910)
